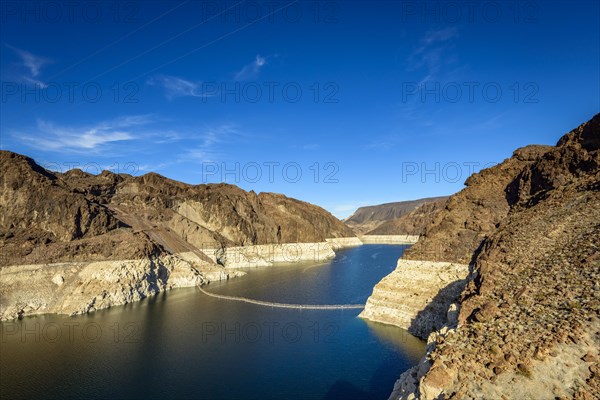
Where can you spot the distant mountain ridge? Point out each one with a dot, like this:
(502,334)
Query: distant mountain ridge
(368,218)
(413,223)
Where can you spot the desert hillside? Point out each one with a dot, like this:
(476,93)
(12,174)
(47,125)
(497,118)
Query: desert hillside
(50,217)
(529,319)
(465,219)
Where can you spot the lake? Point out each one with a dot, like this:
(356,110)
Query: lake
(184,344)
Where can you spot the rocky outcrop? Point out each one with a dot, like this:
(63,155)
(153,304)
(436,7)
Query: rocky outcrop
(300,222)
(476,211)
(416,295)
(367,219)
(529,321)
(410,384)
(36,205)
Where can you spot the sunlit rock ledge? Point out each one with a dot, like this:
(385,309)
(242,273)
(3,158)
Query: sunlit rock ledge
(416,296)
(265,255)
(339,243)
(372,239)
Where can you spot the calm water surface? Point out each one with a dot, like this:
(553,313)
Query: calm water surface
(183,344)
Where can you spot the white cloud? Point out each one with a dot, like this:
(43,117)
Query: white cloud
(441,35)
(32,62)
(177,87)
(251,71)
(35,82)
(80,139)
(168,136)
(209,141)
(433,52)
(32,65)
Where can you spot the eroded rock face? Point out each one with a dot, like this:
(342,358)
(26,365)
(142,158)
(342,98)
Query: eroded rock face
(416,295)
(529,321)
(37,205)
(75,216)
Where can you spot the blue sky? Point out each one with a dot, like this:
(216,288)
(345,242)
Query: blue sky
(341,104)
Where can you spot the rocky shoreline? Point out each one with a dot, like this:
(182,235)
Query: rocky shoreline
(74,288)
(82,287)
(417,295)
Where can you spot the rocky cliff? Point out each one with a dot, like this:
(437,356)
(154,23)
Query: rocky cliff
(396,301)
(81,287)
(458,229)
(529,320)
(369,218)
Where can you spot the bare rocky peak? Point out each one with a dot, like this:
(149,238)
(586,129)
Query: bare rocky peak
(458,229)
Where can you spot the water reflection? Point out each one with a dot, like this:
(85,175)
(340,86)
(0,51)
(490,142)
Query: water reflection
(398,338)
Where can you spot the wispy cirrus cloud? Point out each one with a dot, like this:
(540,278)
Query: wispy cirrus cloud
(435,50)
(49,136)
(251,71)
(30,66)
(35,82)
(177,87)
(208,142)
(30,61)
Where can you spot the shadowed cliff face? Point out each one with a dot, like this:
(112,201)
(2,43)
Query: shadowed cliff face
(48,217)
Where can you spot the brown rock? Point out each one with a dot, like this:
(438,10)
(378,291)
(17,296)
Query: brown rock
(438,377)
(77,216)
(487,312)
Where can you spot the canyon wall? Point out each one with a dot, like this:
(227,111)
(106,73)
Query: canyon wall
(527,323)
(49,217)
